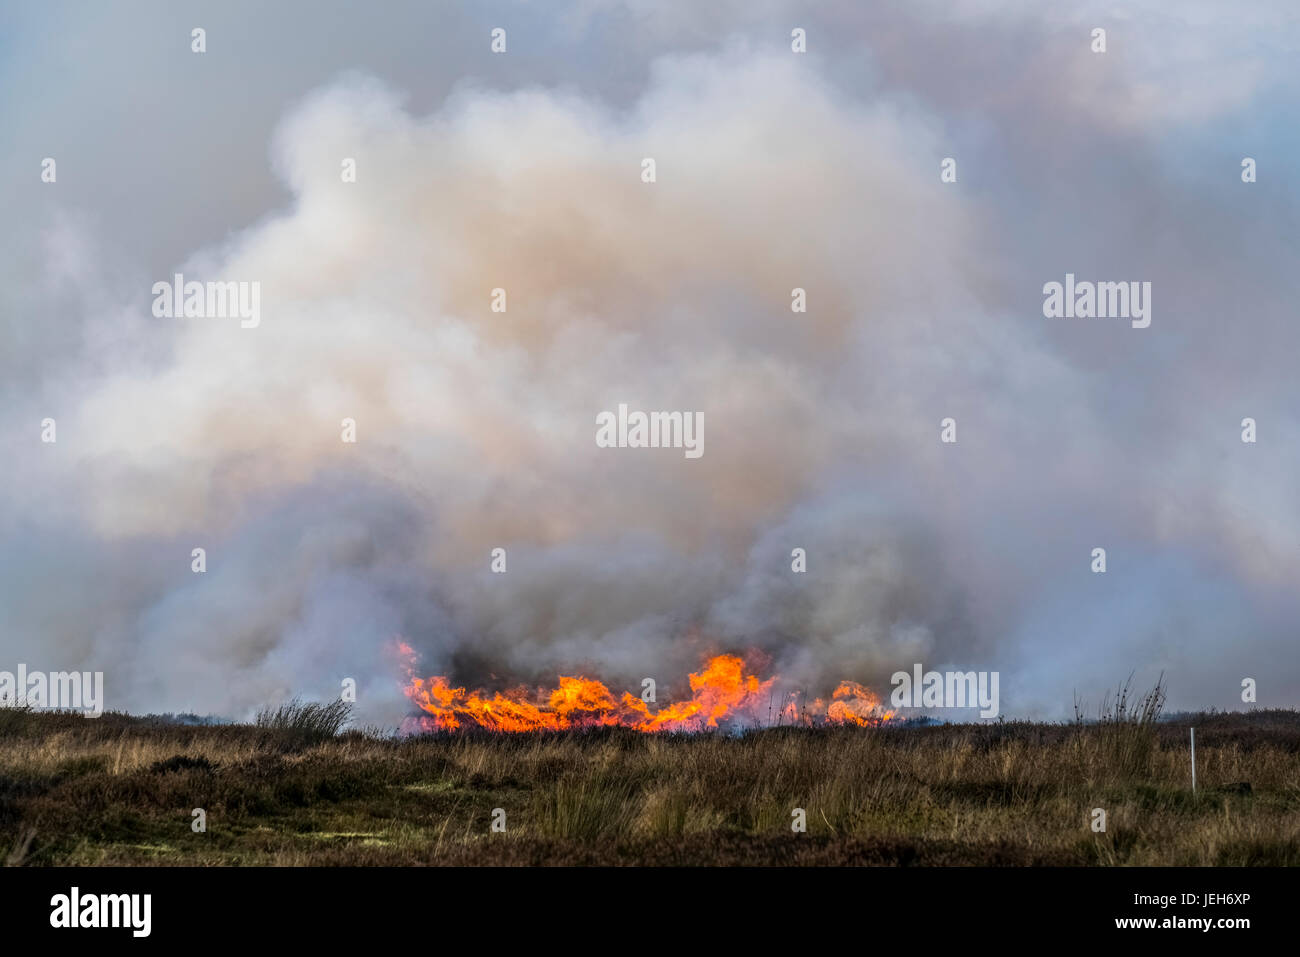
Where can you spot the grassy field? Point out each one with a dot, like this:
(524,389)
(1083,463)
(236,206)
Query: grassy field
(120,790)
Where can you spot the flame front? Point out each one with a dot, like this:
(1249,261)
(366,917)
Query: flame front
(721,692)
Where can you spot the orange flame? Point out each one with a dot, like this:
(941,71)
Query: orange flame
(853,703)
(720,692)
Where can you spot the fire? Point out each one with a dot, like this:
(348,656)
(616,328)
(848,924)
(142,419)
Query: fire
(721,693)
(854,704)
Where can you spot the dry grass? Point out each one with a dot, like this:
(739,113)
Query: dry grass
(120,790)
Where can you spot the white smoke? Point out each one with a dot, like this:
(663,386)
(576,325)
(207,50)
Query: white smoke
(476,429)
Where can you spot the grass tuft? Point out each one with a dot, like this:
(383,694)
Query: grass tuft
(307,721)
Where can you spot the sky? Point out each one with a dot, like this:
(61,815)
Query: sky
(775,170)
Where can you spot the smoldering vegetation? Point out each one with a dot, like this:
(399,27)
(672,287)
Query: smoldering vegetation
(292,791)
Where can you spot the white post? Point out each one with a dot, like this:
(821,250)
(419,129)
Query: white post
(1193,760)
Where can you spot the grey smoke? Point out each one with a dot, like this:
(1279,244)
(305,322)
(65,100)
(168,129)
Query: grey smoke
(476,429)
